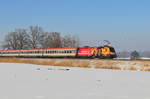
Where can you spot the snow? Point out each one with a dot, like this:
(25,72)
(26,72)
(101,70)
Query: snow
(26,81)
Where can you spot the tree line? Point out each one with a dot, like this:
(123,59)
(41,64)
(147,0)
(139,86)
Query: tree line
(35,37)
(133,54)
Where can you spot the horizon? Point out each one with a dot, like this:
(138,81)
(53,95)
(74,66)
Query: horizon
(124,23)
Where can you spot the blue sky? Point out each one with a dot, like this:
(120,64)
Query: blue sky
(125,23)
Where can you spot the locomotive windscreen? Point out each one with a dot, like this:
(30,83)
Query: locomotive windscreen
(112,49)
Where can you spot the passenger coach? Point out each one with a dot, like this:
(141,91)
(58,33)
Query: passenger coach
(81,52)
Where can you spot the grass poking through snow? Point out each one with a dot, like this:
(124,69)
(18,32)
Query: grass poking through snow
(85,63)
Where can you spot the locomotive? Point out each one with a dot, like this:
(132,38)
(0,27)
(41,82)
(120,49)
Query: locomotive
(101,52)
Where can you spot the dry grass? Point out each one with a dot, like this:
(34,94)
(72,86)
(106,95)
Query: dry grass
(104,64)
(132,68)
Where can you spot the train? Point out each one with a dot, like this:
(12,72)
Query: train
(102,52)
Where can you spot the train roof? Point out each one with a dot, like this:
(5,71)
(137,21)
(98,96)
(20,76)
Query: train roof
(38,49)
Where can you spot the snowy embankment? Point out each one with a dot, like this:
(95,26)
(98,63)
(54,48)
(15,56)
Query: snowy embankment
(26,81)
(140,65)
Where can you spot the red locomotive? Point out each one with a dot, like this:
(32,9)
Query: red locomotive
(81,52)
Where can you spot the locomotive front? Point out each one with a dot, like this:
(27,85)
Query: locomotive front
(97,52)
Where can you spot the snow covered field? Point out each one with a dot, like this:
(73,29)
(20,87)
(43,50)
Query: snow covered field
(25,81)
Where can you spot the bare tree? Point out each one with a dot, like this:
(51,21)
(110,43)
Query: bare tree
(16,40)
(134,55)
(35,34)
(70,41)
(53,40)
(44,40)
(35,37)
(23,39)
